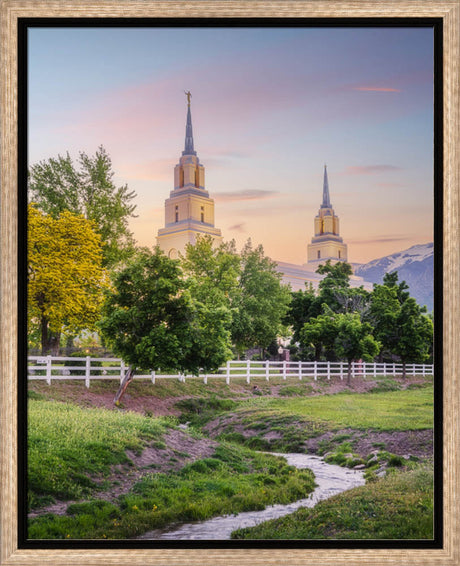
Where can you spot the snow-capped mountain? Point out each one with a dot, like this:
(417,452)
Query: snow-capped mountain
(414,266)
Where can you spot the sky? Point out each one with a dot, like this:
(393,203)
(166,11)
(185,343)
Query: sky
(270,107)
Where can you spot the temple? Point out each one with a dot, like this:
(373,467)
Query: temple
(326,243)
(189,211)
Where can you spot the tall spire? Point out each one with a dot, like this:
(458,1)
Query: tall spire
(326,199)
(188,150)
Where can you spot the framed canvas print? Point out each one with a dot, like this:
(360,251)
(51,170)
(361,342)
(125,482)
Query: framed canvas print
(229,282)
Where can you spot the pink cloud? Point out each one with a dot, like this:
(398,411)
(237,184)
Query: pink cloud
(153,170)
(375,89)
(238,227)
(370,169)
(381,240)
(249,194)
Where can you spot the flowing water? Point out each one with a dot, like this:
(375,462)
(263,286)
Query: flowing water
(330,480)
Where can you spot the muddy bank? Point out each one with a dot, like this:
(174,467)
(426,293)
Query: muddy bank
(416,443)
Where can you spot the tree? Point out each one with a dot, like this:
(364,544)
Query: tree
(261,303)
(301,309)
(212,272)
(400,324)
(383,314)
(391,280)
(57,185)
(414,334)
(354,339)
(65,275)
(319,333)
(152,321)
(335,285)
(335,290)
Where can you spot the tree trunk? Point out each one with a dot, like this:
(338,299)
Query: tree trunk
(49,341)
(129,376)
(318,348)
(404,369)
(349,372)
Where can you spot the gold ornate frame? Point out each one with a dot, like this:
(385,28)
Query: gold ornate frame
(11,10)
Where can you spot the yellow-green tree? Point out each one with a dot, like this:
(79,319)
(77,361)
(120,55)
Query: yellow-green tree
(65,275)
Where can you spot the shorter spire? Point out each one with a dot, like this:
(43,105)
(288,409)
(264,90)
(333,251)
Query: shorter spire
(326,199)
(189,149)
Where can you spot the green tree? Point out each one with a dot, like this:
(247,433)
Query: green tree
(319,333)
(152,321)
(354,339)
(383,314)
(335,286)
(65,276)
(57,185)
(302,308)
(261,303)
(335,291)
(391,280)
(212,272)
(414,334)
(400,324)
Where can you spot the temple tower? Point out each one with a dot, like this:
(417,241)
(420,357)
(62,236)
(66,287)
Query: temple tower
(326,243)
(189,211)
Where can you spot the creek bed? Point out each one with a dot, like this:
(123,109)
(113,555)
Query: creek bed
(330,480)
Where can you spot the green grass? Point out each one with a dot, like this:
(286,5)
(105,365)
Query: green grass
(233,480)
(71,449)
(387,411)
(399,506)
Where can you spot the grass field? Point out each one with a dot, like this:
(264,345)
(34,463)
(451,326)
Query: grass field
(71,454)
(74,450)
(399,506)
(411,409)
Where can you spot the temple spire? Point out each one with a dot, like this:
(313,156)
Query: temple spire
(189,149)
(326,199)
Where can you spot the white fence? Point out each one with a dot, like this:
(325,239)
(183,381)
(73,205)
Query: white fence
(50,368)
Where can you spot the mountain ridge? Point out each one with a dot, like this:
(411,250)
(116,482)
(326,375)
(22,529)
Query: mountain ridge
(414,266)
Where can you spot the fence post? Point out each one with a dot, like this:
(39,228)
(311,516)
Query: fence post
(227,377)
(205,379)
(328,370)
(88,371)
(300,370)
(152,373)
(267,370)
(284,370)
(48,370)
(375,369)
(394,369)
(423,369)
(248,371)
(315,370)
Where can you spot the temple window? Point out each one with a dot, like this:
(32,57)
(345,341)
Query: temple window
(177,213)
(319,255)
(202,214)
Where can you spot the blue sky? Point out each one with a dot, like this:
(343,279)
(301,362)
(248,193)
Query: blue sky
(270,107)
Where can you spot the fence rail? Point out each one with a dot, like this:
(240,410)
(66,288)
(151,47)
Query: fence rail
(50,369)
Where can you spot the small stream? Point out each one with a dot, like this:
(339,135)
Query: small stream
(330,479)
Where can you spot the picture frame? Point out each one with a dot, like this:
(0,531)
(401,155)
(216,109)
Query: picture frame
(11,11)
